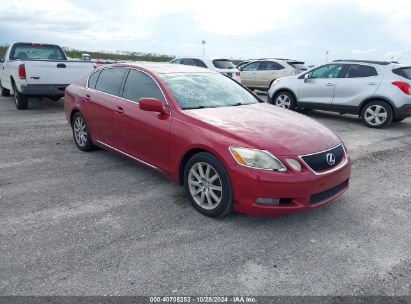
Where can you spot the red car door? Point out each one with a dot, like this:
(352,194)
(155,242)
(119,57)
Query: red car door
(98,102)
(142,134)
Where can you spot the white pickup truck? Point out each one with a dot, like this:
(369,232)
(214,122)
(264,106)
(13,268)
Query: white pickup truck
(36,69)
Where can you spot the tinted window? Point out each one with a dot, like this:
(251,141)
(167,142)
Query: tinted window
(139,85)
(251,67)
(37,52)
(269,66)
(403,72)
(356,70)
(175,61)
(110,81)
(93,80)
(206,90)
(327,71)
(223,64)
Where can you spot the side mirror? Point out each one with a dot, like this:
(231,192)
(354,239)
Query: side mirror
(2,59)
(152,105)
(306,77)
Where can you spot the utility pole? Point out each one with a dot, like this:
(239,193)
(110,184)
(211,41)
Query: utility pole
(203,42)
(326,56)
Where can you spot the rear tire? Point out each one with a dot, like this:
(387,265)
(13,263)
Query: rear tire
(208,185)
(81,134)
(284,100)
(4,92)
(377,114)
(21,100)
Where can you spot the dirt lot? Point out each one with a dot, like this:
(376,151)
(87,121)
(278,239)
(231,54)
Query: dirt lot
(91,223)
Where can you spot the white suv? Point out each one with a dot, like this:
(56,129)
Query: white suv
(224,66)
(379,92)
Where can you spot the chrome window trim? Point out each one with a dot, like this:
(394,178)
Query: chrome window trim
(130,156)
(342,163)
(125,99)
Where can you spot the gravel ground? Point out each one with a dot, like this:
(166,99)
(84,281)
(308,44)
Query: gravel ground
(74,223)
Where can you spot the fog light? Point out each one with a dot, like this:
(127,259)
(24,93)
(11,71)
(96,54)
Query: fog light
(295,164)
(268,201)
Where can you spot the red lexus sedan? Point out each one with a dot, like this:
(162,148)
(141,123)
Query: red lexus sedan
(207,132)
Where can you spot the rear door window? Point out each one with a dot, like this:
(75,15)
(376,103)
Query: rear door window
(358,71)
(110,81)
(139,85)
(270,66)
(403,72)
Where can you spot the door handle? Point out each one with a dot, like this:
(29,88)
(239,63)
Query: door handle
(329,84)
(119,110)
(372,83)
(61,65)
(87,97)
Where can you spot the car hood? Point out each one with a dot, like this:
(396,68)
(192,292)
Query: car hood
(263,126)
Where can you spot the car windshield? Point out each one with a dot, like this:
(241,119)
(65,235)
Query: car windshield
(37,52)
(223,64)
(403,72)
(298,65)
(207,90)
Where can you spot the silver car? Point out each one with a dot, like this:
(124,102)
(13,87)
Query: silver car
(379,92)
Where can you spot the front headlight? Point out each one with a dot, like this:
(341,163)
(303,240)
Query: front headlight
(258,159)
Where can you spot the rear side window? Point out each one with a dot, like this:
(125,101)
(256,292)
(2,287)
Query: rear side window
(270,66)
(110,81)
(403,72)
(176,61)
(92,80)
(357,71)
(139,85)
(223,64)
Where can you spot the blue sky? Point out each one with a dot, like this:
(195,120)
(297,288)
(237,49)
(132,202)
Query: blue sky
(300,29)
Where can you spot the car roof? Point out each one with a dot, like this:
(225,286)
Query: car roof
(202,57)
(167,68)
(364,61)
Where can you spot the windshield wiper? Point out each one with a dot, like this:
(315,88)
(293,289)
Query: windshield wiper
(192,108)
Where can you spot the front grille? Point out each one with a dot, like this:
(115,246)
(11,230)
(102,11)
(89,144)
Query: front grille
(316,198)
(318,161)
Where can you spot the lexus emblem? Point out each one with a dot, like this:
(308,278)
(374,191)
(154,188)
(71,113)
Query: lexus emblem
(330,159)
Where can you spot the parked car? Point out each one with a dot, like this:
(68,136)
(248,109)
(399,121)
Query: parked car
(36,69)
(260,74)
(205,131)
(377,91)
(224,66)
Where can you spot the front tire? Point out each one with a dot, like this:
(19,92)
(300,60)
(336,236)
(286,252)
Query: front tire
(81,134)
(208,185)
(21,101)
(377,114)
(284,100)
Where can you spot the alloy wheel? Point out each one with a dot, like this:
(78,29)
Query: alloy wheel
(375,115)
(283,101)
(80,131)
(205,185)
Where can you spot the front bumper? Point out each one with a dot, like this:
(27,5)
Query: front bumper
(297,191)
(43,89)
